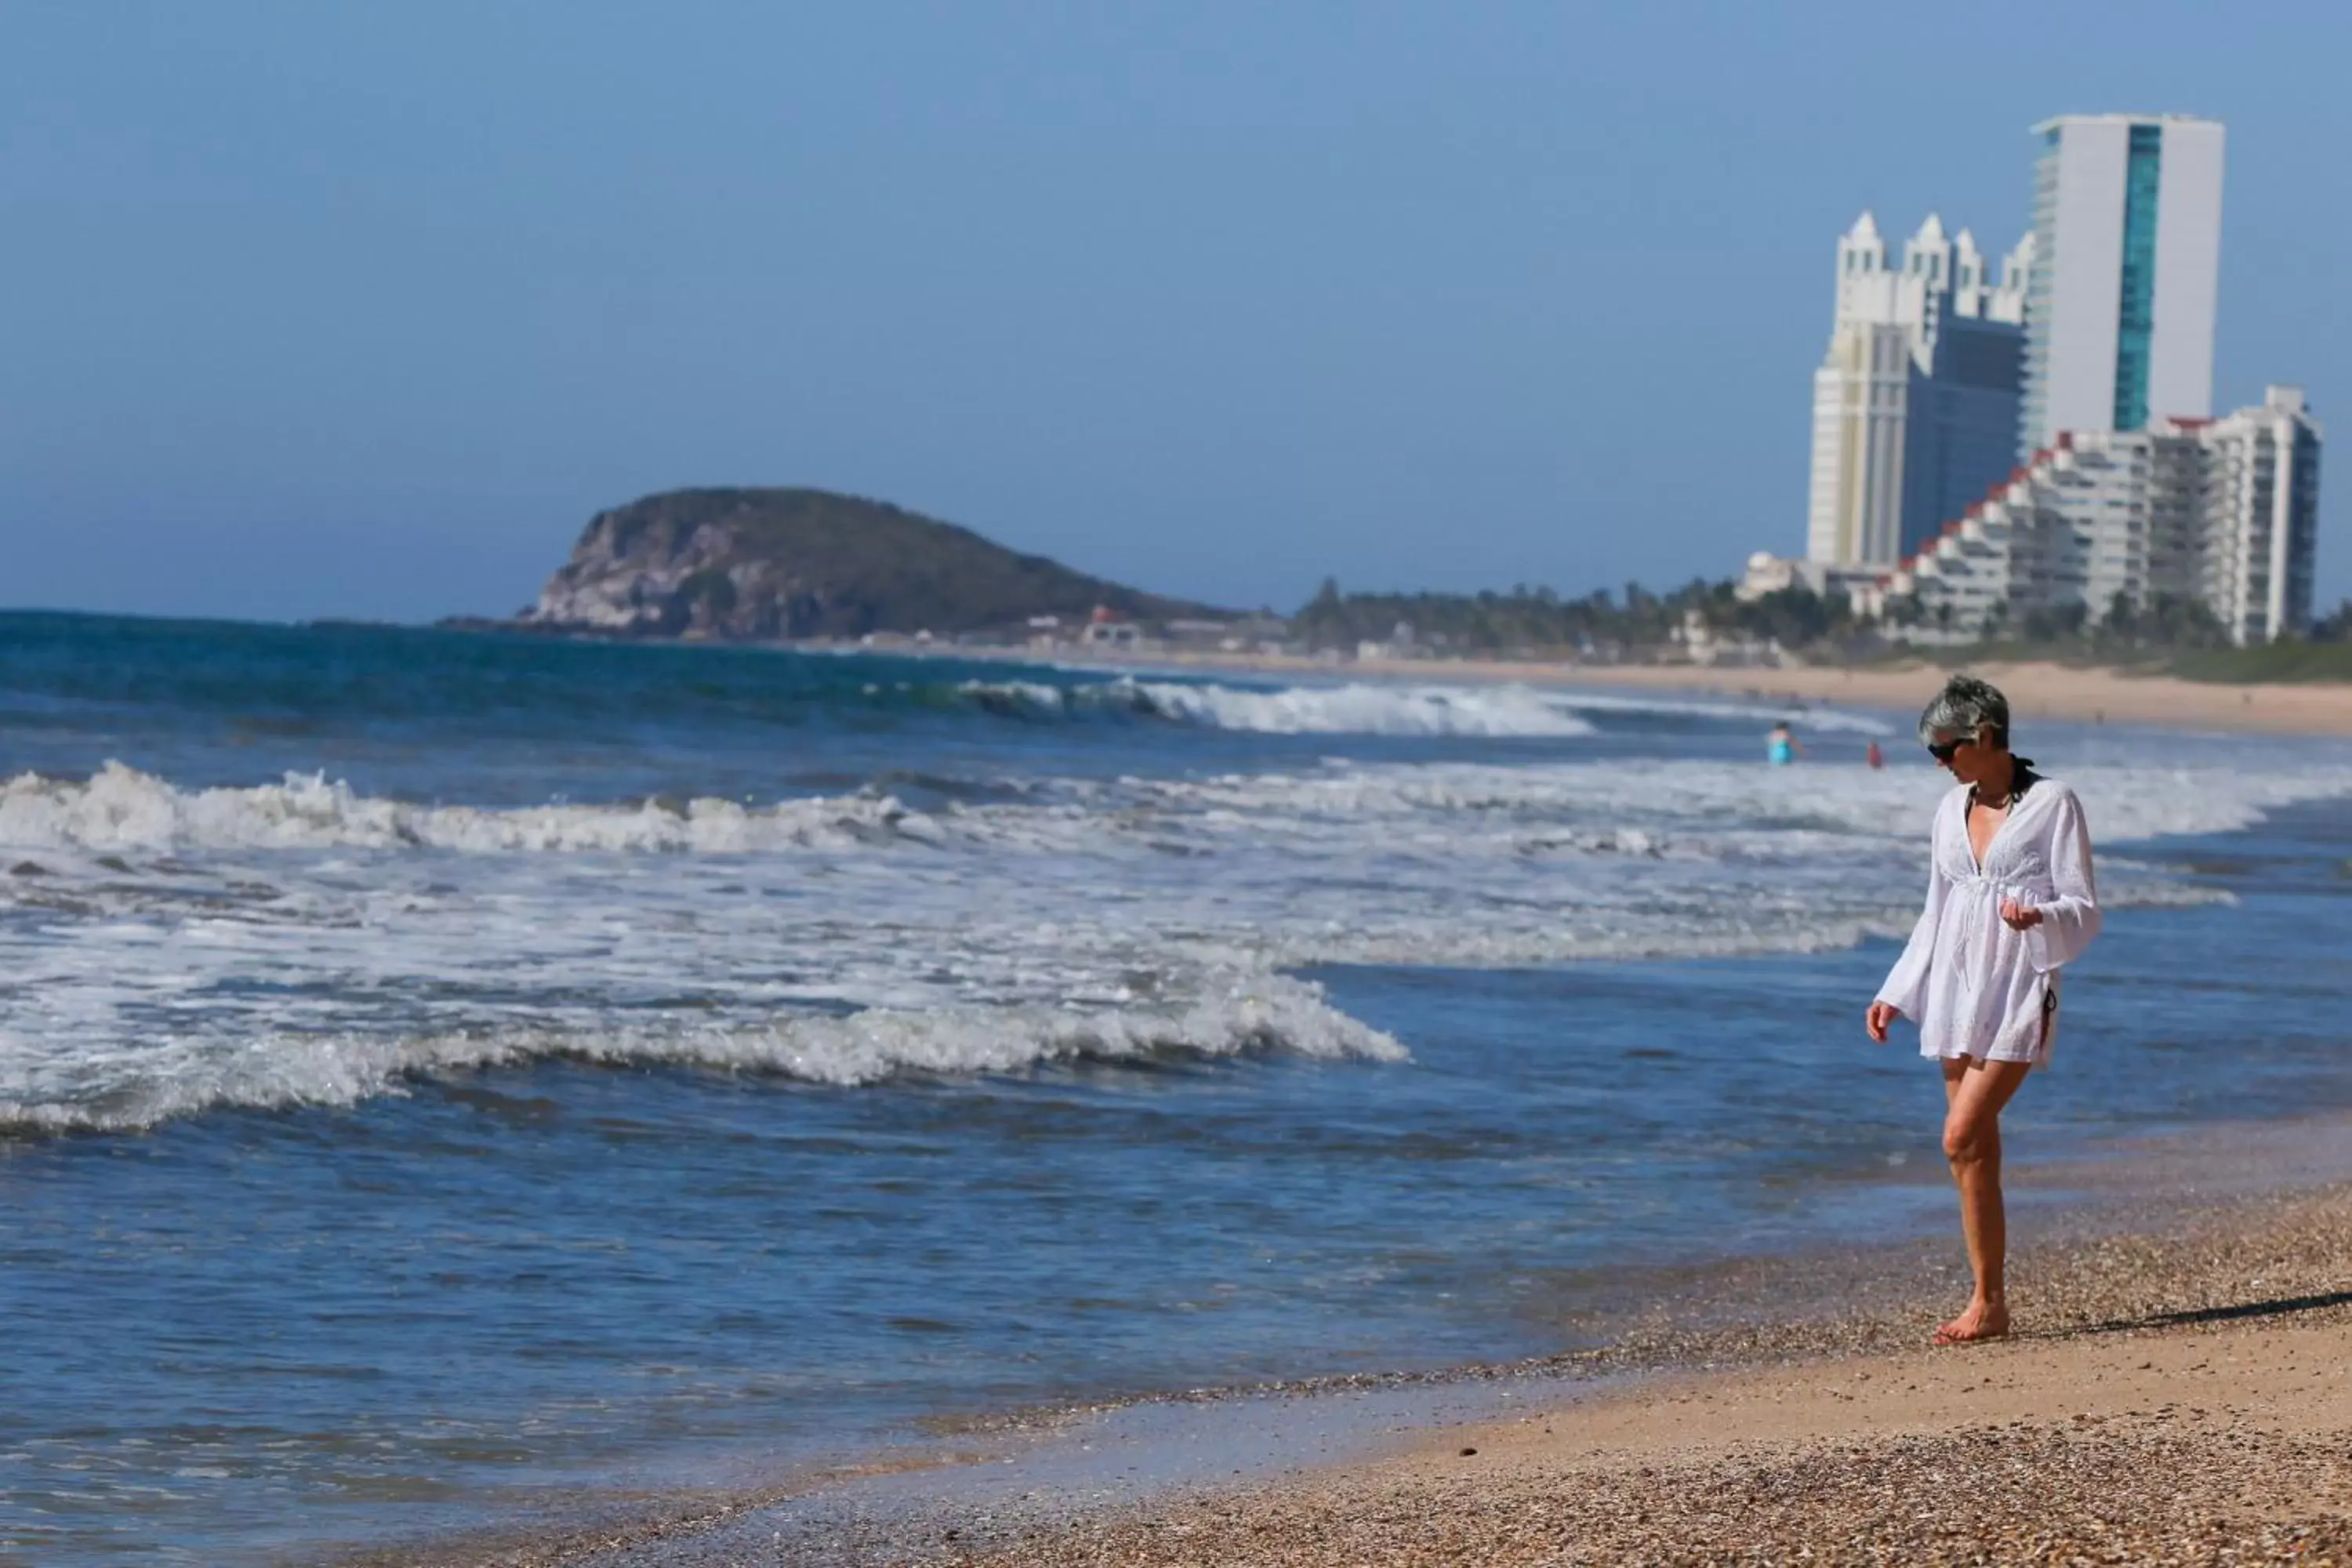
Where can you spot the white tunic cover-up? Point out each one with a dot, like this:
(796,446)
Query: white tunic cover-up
(1974,986)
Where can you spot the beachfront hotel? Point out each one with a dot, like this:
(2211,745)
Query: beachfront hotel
(1916,402)
(1986,452)
(2222,512)
(2127,265)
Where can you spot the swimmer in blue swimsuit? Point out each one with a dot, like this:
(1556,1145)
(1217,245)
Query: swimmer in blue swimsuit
(1781,746)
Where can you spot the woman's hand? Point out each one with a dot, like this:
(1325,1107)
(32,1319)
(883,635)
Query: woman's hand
(1880,1015)
(2019,916)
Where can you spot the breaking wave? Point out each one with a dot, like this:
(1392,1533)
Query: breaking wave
(1494,713)
(851,938)
(1801,715)
(1266,1015)
(1710,810)
(122,808)
(1498,711)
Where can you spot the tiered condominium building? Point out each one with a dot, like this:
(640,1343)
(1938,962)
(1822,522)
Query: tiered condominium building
(2261,515)
(2224,512)
(2126,264)
(1915,404)
(2089,364)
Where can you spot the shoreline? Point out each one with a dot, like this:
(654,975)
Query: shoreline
(2181,1396)
(2221,1259)
(2159,1442)
(2035,690)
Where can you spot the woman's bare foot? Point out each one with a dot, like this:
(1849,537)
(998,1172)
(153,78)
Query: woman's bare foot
(1982,1320)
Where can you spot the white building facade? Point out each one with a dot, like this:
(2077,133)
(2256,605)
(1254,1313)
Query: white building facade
(2224,512)
(2126,267)
(1916,403)
(2261,511)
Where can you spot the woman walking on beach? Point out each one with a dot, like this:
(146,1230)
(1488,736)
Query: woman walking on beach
(2009,899)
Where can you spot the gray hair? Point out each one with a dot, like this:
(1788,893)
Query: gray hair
(1965,705)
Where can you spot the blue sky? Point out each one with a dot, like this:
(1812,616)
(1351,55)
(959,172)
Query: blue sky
(363,310)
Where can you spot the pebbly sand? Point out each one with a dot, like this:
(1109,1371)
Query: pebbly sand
(2172,1399)
(2177,1392)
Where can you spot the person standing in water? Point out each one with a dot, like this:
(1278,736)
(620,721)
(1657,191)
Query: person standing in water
(1872,758)
(2011,900)
(1781,746)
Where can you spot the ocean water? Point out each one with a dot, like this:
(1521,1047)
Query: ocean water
(443,1075)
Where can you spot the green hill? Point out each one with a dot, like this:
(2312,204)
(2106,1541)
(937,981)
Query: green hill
(765,564)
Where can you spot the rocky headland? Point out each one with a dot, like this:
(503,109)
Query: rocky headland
(761,565)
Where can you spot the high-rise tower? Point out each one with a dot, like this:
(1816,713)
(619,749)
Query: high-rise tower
(2127,263)
(1916,403)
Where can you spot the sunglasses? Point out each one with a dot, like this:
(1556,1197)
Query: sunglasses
(1942,750)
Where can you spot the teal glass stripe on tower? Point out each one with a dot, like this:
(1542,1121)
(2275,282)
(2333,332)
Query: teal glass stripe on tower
(2135,318)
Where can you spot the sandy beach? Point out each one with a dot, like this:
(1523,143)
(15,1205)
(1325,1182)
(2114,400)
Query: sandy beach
(2179,1391)
(2197,1445)
(2170,1399)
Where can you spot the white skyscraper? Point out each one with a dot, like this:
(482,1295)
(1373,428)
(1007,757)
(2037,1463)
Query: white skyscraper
(1916,403)
(2126,264)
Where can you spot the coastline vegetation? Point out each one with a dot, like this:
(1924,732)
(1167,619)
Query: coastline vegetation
(1539,622)
(2169,636)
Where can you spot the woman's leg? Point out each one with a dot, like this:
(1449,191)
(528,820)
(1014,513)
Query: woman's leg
(1974,1092)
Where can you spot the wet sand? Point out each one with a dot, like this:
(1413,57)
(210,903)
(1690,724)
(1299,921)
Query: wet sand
(2218,1446)
(2180,1396)
(2177,1392)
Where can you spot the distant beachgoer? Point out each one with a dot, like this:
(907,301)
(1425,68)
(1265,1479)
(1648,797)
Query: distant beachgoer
(1873,756)
(1781,745)
(2010,900)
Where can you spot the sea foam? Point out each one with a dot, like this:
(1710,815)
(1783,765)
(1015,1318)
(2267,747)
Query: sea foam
(122,808)
(1492,710)
(1265,1014)
(1709,809)
(304,942)
(1494,713)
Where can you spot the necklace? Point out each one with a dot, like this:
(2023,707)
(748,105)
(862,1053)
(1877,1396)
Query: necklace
(2008,797)
(2021,774)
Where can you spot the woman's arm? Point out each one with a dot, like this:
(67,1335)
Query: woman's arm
(2070,919)
(1906,983)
